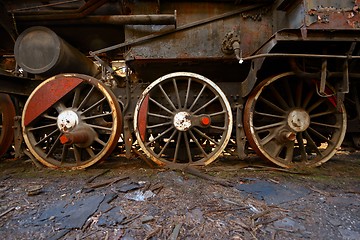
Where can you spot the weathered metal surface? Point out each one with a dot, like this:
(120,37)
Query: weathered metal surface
(7,114)
(200,41)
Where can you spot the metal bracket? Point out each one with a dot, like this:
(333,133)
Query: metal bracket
(240,133)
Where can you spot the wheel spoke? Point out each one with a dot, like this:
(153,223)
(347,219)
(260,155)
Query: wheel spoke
(64,154)
(188,150)
(311,143)
(160,106)
(77,154)
(42,127)
(300,140)
(187,93)
(98,140)
(269,126)
(159,125)
(307,99)
(47,137)
(216,114)
(167,97)
(97,116)
(321,114)
(197,143)
(319,135)
(159,115)
(271,105)
(205,136)
(94,105)
(100,127)
(177,146)
(298,94)
(315,105)
(87,97)
(325,125)
(167,143)
(197,97)
(76,98)
(279,98)
(269,115)
(205,105)
(177,93)
(289,94)
(90,152)
(160,135)
(54,145)
(269,137)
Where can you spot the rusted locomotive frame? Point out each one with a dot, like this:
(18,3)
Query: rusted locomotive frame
(165,96)
(178,29)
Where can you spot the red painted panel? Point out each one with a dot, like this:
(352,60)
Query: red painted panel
(142,119)
(47,95)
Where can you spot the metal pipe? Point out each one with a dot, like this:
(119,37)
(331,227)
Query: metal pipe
(154,19)
(38,50)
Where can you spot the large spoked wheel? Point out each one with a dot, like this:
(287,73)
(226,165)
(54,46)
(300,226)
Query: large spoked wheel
(288,123)
(71,121)
(7,114)
(183,118)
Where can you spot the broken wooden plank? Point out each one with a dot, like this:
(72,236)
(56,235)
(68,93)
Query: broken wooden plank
(7,211)
(174,235)
(97,175)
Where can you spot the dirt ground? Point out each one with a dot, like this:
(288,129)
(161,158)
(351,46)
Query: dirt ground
(230,199)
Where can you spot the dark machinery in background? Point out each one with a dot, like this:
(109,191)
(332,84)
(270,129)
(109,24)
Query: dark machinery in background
(181,81)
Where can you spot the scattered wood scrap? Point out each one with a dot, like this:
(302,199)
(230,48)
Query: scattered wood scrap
(197,173)
(7,211)
(97,175)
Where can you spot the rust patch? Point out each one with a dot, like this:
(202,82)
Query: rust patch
(336,18)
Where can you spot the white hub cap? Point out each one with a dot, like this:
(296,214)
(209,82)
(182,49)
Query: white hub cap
(182,121)
(298,120)
(67,120)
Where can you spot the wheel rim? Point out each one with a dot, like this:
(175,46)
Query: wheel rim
(71,121)
(7,114)
(183,118)
(288,123)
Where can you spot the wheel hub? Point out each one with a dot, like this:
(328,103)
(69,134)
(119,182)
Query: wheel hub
(67,120)
(298,120)
(182,121)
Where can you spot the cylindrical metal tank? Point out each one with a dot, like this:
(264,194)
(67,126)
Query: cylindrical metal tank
(38,50)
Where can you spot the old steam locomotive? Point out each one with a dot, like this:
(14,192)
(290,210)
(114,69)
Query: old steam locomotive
(179,81)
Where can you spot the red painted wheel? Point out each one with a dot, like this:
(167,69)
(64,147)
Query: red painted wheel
(71,121)
(288,123)
(7,114)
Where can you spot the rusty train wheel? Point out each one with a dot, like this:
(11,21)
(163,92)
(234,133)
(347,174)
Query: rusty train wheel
(183,118)
(71,121)
(288,123)
(7,114)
